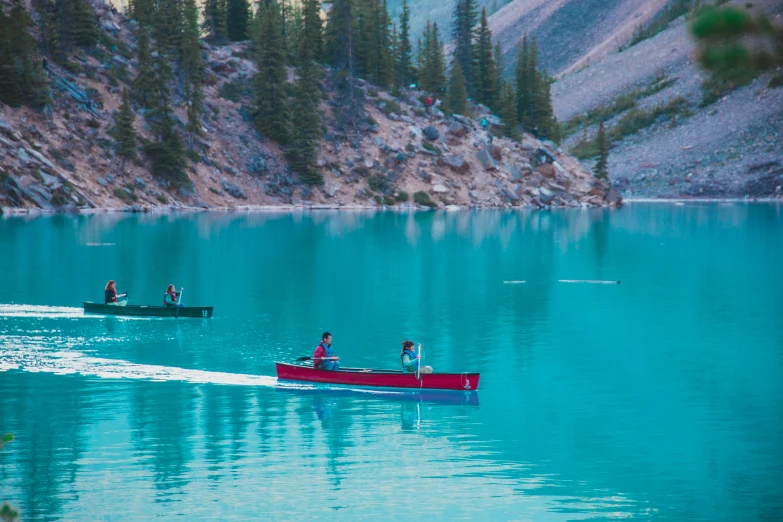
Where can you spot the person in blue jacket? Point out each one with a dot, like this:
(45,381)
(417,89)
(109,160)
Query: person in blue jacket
(410,360)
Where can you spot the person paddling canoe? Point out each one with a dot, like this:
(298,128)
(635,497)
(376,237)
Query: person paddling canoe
(323,359)
(411,361)
(110,296)
(171,298)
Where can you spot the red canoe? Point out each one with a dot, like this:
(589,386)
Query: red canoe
(379,378)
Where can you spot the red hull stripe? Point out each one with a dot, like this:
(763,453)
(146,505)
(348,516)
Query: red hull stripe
(379,378)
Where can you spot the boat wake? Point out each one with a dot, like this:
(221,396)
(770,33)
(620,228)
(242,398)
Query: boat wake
(61,360)
(59,357)
(60,312)
(25,310)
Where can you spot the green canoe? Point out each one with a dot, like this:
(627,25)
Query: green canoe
(148,311)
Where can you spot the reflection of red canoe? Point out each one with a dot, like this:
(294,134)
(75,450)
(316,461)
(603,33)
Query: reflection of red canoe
(379,378)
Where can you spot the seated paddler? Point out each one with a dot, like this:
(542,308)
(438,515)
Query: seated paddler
(410,359)
(111,297)
(323,357)
(171,298)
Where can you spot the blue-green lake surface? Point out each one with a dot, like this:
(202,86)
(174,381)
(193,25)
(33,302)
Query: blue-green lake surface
(660,398)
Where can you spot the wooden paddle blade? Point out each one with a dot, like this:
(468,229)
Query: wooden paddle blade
(302,359)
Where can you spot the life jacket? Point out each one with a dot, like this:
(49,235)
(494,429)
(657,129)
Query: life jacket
(327,353)
(402,358)
(109,296)
(173,298)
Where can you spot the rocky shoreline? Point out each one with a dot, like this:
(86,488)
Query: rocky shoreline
(397,154)
(250,209)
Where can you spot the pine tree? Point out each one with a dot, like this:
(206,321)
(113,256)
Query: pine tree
(404,50)
(10,90)
(422,58)
(601,168)
(144,88)
(193,68)
(307,131)
(457,96)
(508,109)
(384,49)
(21,78)
(533,81)
(143,11)
(341,35)
(238,14)
(168,29)
(167,152)
(293,29)
(543,112)
(463,22)
(498,52)
(85,30)
(270,112)
(438,63)
(311,45)
(50,33)
(431,63)
(373,55)
(76,25)
(521,72)
(124,133)
(215,20)
(485,78)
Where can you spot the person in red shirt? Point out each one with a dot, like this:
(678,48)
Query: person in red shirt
(323,359)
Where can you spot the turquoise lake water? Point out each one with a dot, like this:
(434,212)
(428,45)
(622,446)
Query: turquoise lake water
(660,398)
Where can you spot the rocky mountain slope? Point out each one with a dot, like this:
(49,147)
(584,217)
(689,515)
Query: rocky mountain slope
(731,148)
(63,158)
(570,33)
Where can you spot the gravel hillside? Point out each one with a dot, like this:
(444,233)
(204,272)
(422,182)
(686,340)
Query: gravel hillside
(731,148)
(569,31)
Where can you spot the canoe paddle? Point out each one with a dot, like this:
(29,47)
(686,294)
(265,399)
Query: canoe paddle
(418,364)
(302,359)
(179,304)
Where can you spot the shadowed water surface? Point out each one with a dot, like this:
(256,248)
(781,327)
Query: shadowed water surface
(658,398)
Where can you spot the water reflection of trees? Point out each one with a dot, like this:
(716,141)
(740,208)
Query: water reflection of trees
(47,415)
(162,428)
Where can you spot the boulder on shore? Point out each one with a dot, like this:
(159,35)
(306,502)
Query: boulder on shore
(455,163)
(431,133)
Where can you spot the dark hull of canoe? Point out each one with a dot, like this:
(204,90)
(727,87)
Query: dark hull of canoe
(379,378)
(201,312)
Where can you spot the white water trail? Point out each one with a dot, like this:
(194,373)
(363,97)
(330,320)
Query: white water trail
(25,310)
(59,357)
(64,361)
(59,312)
